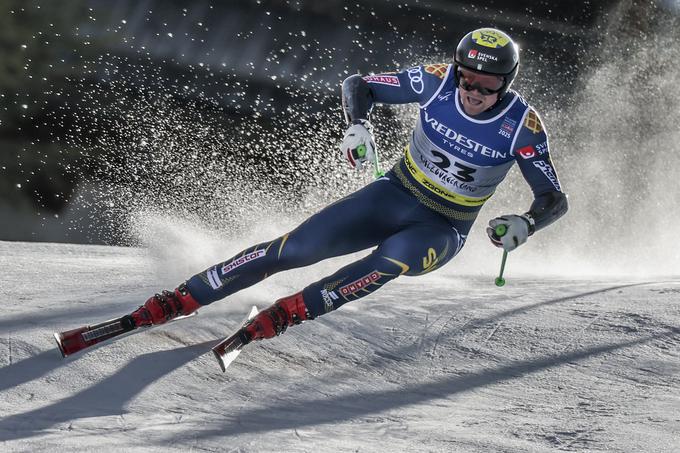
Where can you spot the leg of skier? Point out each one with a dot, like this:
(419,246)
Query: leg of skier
(356,222)
(415,250)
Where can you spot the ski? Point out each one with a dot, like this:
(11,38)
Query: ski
(227,350)
(72,341)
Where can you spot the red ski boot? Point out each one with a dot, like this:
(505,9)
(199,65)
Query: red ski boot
(274,320)
(165,306)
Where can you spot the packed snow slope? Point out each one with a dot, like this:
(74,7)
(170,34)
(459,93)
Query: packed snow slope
(440,363)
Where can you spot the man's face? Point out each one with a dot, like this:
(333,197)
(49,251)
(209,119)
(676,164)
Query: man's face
(478,91)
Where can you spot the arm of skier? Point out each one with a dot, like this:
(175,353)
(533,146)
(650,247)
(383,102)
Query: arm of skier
(417,84)
(360,93)
(550,203)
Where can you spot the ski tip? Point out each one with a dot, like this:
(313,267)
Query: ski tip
(228,350)
(57,338)
(227,358)
(220,361)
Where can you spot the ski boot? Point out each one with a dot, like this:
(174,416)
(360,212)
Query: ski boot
(165,306)
(274,320)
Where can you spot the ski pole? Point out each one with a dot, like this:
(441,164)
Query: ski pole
(500,232)
(377,172)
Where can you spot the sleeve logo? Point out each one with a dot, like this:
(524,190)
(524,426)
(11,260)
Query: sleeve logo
(533,122)
(383,80)
(437,69)
(527,152)
(415,75)
(548,172)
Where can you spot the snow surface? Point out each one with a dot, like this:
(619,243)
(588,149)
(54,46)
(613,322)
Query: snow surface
(442,363)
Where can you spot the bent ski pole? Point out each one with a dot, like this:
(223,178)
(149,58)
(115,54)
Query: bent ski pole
(500,232)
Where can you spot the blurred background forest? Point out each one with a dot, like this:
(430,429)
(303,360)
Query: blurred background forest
(209,108)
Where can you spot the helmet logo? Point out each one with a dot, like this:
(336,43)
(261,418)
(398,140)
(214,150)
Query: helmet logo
(490,38)
(481,56)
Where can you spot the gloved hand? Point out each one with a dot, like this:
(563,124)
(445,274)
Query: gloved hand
(358,145)
(517,229)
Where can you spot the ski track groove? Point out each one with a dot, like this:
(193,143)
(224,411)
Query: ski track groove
(580,333)
(210,450)
(171,336)
(581,436)
(493,332)
(420,340)
(441,331)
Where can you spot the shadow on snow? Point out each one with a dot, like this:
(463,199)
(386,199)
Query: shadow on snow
(107,397)
(110,396)
(297,413)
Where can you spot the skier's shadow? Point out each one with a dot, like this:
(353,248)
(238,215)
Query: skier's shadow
(58,319)
(31,368)
(41,364)
(294,413)
(300,413)
(412,350)
(107,397)
(110,396)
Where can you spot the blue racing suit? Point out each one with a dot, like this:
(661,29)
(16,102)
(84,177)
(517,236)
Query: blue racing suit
(419,214)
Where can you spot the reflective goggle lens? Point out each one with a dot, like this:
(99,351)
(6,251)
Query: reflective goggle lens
(484,84)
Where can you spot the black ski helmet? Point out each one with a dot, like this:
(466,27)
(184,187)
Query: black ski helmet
(489,51)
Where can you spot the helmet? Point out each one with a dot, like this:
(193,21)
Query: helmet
(489,51)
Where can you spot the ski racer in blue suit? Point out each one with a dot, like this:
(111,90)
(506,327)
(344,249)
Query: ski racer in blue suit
(470,131)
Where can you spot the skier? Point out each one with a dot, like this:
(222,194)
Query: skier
(471,129)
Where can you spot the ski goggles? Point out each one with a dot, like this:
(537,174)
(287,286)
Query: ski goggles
(486,85)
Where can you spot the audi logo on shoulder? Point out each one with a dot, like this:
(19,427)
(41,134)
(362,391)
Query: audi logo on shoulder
(415,75)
